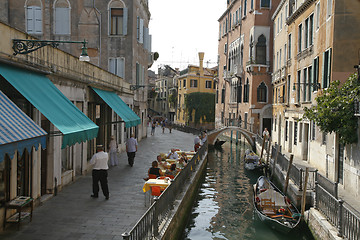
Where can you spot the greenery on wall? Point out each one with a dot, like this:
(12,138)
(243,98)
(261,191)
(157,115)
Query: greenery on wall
(334,111)
(173,99)
(203,104)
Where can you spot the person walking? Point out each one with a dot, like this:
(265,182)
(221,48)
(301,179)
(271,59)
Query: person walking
(131,149)
(153,126)
(113,147)
(99,172)
(163,125)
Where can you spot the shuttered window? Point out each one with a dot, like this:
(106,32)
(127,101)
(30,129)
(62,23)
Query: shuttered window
(117,66)
(118,21)
(34,20)
(62,21)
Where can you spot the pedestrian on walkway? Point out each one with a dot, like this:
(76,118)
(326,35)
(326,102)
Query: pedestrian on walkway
(170,126)
(99,172)
(113,148)
(163,125)
(197,143)
(131,149)
(153,126)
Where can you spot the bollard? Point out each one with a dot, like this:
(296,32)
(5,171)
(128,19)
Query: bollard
(340,227)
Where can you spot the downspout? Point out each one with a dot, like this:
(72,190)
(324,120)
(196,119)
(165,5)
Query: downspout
(97,10)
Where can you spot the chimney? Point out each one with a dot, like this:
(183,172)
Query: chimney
(201,59)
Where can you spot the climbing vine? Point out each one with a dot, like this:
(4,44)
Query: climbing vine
(334,111)
(203,104)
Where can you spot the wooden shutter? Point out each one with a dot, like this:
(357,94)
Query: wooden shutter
(112,67)
(121,67)
(38,20)
(141,26)
(329,67)
(30,21)
(323,72)
(62,21)
(125,21)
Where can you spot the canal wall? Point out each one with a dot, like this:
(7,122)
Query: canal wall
(185,202)
(319,226)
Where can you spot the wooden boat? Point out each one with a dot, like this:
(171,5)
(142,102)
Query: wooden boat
(273,207)
(252,160)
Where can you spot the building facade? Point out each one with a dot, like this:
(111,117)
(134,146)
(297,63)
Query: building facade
(117,32)
(245,54)
(194,79)
(315,47)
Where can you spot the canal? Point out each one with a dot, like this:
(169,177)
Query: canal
(223,208)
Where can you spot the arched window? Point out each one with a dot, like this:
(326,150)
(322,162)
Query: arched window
(246,91)
(118,15)
(239,93)
(33,17)
(62,17)
(262,92)
(261,50)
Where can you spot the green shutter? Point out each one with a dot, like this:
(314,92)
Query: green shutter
(312,76)
(323,72)
(329,68)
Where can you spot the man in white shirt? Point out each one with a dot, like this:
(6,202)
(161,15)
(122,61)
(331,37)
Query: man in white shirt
(99,172)
(131,149)
(173,154)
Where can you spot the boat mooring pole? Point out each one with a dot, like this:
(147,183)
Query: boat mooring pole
(262,148)
(288,174)
(268,152)
(303,200)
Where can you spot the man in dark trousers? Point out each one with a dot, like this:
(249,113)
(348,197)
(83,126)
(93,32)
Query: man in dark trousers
(99,172)
(131,149)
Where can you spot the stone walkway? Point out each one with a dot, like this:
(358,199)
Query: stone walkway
(72,214)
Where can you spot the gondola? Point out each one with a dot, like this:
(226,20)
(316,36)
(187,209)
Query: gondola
(273,207)
(252,161)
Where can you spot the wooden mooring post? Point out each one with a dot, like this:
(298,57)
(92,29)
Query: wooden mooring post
(303,200)
(288,174)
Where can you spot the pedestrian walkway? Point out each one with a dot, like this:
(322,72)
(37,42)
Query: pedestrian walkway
(72,214)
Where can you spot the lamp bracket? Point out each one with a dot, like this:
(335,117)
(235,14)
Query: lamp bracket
(25,46)
(135,87)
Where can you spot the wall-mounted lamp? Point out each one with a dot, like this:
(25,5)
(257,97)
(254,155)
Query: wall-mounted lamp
(25,46)
(315,85)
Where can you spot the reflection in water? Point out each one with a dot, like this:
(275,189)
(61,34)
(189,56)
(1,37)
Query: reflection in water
(224,209)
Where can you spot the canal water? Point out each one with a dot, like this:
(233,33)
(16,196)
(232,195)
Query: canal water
(223,208)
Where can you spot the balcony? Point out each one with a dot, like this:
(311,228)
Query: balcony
(253,64)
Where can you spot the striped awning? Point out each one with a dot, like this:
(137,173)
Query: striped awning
(17,130)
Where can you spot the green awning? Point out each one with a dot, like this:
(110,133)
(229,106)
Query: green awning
(120,107)
(75,126)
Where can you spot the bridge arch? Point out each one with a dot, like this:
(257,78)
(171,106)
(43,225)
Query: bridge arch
(249,136)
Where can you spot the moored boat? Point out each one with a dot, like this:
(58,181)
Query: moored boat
(252,160)
(273,207)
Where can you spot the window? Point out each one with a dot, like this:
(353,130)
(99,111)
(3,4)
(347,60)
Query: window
(117,66)
(300,132)
(252,4)
(315,77)
(223,95)
(289,47)
(305,75)
(245,3)
(323,140)
(262,92)
(329,9)
(288,88)
(239,92)
(140,29)
(34,18)
(300,38)
(193,83)
(265,3)
(311,30)
(317,15)
(280,58)
(326,70)
(184,83)
(286,130)
(138,73)
(306,37)
(298,86)
(246,91)
(295,132)
(261,50)
(118,18)
(208,84)
(310,85)
(281,21)
(62,17)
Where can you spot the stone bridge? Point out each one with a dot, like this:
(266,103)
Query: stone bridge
(249,136)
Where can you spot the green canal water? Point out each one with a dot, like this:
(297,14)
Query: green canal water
(223,208)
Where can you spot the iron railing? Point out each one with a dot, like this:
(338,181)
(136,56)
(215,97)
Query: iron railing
(328,185)
(350,222)
(156,219)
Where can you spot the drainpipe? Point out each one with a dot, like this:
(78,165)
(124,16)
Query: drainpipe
(97,10)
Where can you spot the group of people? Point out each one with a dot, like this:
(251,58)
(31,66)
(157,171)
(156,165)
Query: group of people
(200,140)
(163,123)
(161,168)
(100,161)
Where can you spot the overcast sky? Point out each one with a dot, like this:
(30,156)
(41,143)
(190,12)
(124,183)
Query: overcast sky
(182,28)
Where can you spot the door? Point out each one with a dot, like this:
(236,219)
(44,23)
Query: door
(267,124)
(305,142)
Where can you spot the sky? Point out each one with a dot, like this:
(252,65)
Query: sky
(182,28)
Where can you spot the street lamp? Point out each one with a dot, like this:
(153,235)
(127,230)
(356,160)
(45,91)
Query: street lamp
(25,46)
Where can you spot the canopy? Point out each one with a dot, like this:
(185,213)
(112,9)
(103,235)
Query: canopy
(75,126)
(120,107)
(17,130)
